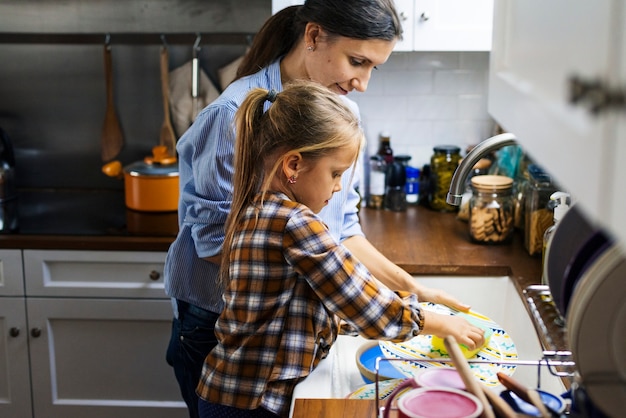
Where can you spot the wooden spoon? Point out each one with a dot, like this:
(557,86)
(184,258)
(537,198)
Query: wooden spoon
(168,137)
(471,384)
(112,137)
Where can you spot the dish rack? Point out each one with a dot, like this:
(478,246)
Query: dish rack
(547,321)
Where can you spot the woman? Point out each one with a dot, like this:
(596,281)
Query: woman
(336,43)
(286,279)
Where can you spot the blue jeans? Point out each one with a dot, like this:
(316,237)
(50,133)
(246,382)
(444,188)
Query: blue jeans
(192,338)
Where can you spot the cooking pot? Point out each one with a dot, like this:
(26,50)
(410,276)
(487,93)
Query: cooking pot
(150,185)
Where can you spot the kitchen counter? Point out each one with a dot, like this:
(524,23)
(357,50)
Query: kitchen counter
(421,241)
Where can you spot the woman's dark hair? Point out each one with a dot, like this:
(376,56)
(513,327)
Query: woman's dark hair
(357,19)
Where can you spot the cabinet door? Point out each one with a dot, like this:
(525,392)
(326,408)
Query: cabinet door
(406,11)
(102,358)
(11,273)
(14,376)
(453,25)
(128,274)
(538,47)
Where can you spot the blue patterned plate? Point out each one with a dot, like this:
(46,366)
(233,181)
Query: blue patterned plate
(500,348)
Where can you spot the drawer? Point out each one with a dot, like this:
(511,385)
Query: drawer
(11,273)
(124,274)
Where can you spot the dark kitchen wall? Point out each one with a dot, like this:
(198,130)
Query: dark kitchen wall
(52,88)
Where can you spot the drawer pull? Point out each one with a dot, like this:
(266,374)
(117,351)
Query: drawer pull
(35,332)
(14,332)
(155,275)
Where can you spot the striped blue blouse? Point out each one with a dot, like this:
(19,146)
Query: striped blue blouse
(205,155)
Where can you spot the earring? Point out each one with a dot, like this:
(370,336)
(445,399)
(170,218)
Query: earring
(310,48)
(292,179)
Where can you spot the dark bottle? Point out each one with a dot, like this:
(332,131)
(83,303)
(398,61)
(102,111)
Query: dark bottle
(384,148)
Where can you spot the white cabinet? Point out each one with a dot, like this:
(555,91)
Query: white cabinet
(445,25)
(15,398)
(92,331)
(437,25)
(541,51)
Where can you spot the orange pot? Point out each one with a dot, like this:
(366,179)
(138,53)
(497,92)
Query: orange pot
(150,185)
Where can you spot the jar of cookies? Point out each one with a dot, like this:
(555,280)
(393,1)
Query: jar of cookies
(491,217)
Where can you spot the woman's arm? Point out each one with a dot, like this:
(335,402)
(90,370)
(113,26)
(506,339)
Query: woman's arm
(394,277)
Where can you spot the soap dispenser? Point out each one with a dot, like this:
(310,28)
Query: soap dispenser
(561,201)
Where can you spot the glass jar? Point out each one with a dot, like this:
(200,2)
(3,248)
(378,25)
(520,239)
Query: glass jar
(443,163)
(492,209)
(376,195)
(538,216)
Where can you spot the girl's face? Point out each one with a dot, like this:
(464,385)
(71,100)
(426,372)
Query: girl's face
(320,179)
(345,64)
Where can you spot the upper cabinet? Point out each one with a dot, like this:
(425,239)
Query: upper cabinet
(558,82)
(438,25)
(445,25)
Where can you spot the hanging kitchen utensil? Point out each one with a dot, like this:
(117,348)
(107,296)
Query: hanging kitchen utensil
(195,79)
(191,90)
(168,137)
(112,137)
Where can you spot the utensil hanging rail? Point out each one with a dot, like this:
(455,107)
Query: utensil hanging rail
(153,38)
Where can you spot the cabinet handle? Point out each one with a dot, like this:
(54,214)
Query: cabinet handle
(424,17)
(595,94)
(35,332)
(14,332)
(403,17)
(155,275)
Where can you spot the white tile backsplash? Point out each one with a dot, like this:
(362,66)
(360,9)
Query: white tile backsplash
(425,99)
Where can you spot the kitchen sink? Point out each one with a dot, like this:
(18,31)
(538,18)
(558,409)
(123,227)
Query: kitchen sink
(494,296)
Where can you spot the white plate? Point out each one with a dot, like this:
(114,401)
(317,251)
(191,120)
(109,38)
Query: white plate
(596,328)
(500,348)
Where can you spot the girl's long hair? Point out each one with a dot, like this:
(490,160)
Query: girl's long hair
(305,117)
(356,19)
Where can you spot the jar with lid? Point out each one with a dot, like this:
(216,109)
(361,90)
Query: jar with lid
(395,195)
(491,209)
(377,173)
(538,216)
(443,163)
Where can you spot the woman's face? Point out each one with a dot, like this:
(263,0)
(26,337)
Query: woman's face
(345,64)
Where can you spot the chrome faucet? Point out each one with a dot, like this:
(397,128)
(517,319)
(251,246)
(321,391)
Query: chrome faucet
(457,185)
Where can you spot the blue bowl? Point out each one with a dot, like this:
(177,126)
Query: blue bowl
(553,402)
(366,362)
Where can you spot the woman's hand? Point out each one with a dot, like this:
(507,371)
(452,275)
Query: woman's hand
(427,294)
(462,330)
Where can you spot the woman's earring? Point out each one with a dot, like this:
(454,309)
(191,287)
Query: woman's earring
(310,48)
(292,179)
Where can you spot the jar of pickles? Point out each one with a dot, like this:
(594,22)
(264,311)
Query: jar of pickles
(492,209)
(443,163)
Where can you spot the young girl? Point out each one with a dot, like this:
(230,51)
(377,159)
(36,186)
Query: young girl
(287,280)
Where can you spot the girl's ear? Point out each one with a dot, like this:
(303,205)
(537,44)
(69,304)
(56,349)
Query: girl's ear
(292,163)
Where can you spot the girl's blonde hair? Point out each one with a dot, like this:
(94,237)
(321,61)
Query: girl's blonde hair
(305,117)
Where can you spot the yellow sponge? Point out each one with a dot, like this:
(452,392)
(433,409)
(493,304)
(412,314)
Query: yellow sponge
(438,344)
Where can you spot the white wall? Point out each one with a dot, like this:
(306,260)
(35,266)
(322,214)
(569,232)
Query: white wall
(425,99)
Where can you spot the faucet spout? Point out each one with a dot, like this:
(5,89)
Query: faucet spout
(457,185)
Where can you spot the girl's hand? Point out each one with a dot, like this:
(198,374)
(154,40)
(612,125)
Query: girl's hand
(463,331)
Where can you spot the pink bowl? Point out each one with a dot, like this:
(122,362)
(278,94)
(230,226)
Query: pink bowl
(438,402)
